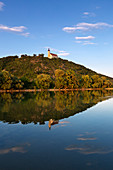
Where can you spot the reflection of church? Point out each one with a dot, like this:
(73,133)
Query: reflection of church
(52,122)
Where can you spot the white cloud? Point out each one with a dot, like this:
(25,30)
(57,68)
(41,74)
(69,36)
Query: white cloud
(1,5)
(87,26)
(13,29)
(25,34)
(78,42)
(86,13)
(85,42)
(88,43)
(63,54)
(98,25)
(89,14)
(85,38)
(19,29)
(73,29)
(69,29)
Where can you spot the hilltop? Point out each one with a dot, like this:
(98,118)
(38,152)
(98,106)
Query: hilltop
(28,67)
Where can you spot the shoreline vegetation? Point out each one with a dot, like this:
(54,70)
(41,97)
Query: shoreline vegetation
(35,73)
(52,90)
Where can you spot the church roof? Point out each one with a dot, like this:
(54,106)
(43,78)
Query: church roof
(53,54)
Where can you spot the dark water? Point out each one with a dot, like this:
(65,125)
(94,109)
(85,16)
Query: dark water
(56,131)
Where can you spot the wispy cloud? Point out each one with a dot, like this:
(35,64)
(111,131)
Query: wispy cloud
(89,14)
(19,29)
(69,29)
(78,42)
(85,38)
(63,54)
(13,29)
(88,43)
(86,13)
(98,25)
(73,29)
(85,42)
(25,34)
(59,52)
(1,5)
(87,27)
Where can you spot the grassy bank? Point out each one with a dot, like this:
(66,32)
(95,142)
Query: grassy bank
(38,90)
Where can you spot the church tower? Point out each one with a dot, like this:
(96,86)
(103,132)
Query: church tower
(48,52)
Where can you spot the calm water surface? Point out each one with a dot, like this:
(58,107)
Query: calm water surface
(56,131)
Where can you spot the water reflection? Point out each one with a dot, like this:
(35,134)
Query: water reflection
(89,144)
(52,122)
(86,138)
(18,149)
(90,149)
(47,106)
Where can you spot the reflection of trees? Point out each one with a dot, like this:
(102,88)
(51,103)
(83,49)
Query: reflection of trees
(44,106)
(7,99)
(66,101)
(43,99)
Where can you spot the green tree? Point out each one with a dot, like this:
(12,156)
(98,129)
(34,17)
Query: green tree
(97,82)
(8,81)
(5,80)
(59,79)
(86,81)
(43,81)
(71,79)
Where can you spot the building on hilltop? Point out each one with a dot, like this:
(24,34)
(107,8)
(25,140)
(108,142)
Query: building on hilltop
(51,55)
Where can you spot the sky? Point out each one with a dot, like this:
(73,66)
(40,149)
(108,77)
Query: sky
(77,30)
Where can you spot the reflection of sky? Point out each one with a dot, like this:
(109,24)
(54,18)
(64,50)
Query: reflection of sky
(84,139)
(89,145)
(90,149)
(96,136)
(19,149)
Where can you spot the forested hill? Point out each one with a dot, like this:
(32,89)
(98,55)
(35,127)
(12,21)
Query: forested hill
(30,66)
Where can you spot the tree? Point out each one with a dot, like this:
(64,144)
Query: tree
(5,80)
(59,79)
(16,83)
(71,79)
(8,81)
(97,82)
(43,81)
(86,81)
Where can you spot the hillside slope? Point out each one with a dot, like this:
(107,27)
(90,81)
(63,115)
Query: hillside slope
(30,66)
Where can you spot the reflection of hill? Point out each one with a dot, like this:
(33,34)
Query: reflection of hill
(43,106)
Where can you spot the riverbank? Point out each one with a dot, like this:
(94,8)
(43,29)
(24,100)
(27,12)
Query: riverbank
(38,90)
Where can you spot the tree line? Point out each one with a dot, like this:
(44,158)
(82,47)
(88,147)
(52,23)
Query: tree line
(69,80)
(62,80)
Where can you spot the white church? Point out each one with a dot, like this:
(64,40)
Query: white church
(51,55)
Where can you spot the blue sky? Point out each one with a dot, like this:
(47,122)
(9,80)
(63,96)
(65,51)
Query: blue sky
(78,30)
